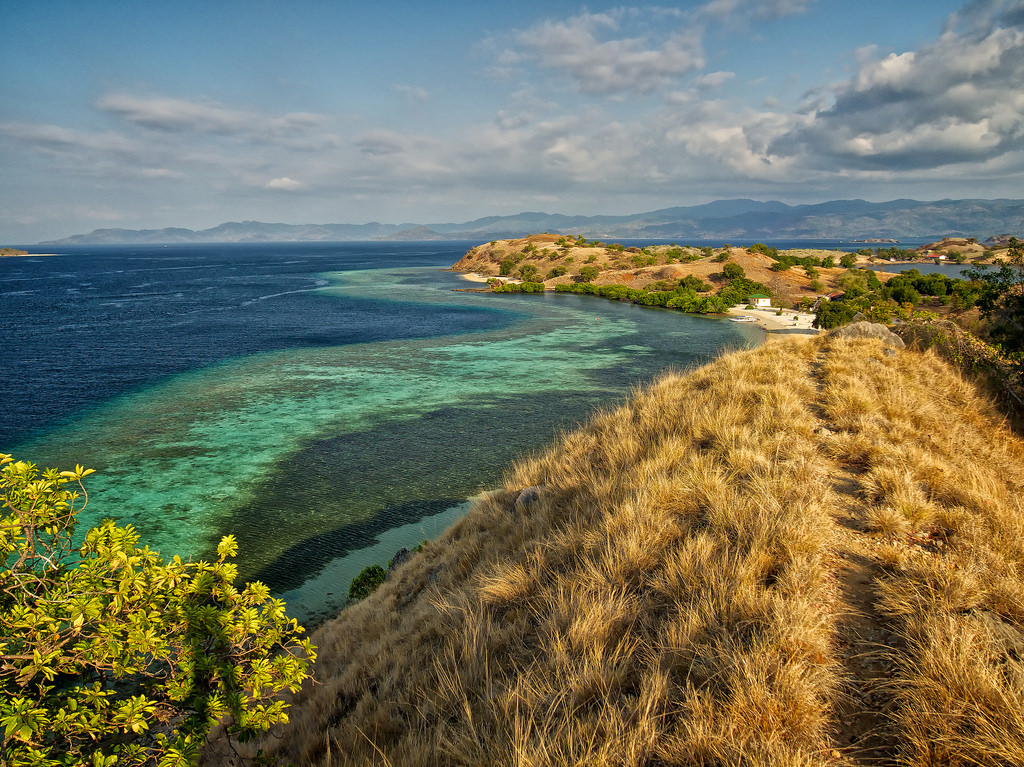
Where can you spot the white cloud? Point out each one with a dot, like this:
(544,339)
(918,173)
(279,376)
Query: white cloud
(714,80)
(593,51)
(160,173)
(283,184)
(181,116)
(953,101)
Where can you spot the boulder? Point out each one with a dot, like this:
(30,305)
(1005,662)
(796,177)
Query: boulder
(869,330)
(527,497)
(402,556)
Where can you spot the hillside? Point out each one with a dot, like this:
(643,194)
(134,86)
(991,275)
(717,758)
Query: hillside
(655,266)
(808,553)
(720,220)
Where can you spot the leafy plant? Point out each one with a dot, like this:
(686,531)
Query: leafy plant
(109,655)
(366,582)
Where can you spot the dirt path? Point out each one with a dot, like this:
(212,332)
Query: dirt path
(861,729)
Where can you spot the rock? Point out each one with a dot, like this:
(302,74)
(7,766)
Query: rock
(435,573)
(402,556)
(869,330)
(527,497)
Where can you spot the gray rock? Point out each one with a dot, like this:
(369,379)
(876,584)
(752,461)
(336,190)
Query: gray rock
(869,330)
(402,556)
(527,497)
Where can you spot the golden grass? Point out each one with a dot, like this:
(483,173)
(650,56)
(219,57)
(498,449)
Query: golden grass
(941,473)
(670,597)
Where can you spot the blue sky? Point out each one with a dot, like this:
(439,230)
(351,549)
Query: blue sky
(151,114)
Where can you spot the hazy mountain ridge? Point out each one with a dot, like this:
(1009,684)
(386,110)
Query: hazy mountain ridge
(723,219)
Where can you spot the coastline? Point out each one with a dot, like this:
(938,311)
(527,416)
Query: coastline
(789,323)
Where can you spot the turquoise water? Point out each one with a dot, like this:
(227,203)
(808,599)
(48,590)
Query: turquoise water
(327,458)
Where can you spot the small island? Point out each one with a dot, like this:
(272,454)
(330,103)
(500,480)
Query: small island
(12,252)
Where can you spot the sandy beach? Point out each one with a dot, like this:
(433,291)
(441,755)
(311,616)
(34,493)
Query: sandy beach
(770,320)
(475,277)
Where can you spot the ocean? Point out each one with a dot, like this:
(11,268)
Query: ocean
(325,403)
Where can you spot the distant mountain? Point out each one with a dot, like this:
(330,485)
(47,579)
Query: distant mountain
(722,219)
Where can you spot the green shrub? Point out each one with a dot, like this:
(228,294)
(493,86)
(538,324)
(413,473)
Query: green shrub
(589,273)
(529,272)
(732,271)
(111,655)
(366,582)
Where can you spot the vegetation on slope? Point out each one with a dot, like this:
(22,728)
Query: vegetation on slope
(558,260)
(109,655)
(808,553)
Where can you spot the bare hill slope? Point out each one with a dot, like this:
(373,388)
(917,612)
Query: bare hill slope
(808,553)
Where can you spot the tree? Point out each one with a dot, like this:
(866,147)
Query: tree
(109,655)
(848,260)
(1001,297)
(588,273)
(831,315)
(732,271)
(528,272)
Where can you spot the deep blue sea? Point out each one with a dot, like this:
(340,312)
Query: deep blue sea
(325,403)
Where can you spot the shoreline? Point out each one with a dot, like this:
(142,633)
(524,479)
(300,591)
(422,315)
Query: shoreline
(767,319)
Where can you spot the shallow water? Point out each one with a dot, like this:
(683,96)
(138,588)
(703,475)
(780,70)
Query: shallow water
(324,458)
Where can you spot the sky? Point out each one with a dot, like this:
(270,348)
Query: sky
(128,114)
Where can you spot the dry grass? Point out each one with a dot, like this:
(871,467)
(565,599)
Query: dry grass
(620,268)
(670,597)
(944,479)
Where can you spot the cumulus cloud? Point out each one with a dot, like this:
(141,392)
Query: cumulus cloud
(283,184)
(594,51)
(952,101)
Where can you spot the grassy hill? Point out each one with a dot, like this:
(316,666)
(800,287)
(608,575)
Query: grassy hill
(559,259)
(809,553)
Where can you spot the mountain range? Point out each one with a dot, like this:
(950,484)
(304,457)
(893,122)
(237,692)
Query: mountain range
(740,219)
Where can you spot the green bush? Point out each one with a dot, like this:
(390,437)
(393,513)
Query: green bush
(732,271)
(557,271)
(111,656)
(589,273)
(366,582)
(529,272)
(832,314)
